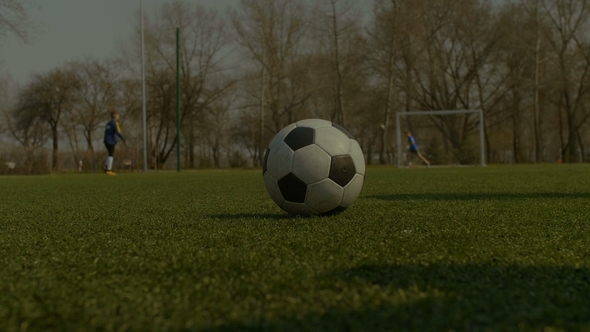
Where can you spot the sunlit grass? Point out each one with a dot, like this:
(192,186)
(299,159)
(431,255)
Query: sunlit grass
(497,248)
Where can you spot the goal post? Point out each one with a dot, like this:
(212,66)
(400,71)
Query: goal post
(398,131)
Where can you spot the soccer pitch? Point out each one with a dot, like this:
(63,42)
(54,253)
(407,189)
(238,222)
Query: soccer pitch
(496,248)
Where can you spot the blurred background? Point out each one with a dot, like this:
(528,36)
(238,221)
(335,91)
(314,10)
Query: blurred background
(250,67)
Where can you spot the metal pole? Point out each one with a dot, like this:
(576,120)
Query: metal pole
(398,140)
(178,99)
(143,95)
(482,140)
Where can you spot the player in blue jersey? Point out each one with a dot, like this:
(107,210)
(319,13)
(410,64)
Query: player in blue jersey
(414,148)
(111,132)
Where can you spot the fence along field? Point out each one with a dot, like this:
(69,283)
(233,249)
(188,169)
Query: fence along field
(496,248)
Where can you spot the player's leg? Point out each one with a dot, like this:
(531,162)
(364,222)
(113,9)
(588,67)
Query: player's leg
(106,161)
(423,158)
(109,161)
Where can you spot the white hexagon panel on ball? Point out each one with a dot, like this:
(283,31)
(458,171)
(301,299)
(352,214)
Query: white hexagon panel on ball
(311,164)
(333,141)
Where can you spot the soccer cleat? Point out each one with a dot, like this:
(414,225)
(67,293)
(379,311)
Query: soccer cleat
(111,173)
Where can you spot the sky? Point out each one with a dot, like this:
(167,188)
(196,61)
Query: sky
(67,30)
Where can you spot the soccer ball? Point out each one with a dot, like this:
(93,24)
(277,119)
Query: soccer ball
(314,167)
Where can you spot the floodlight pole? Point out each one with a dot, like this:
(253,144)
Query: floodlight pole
(178,99)
(143,94)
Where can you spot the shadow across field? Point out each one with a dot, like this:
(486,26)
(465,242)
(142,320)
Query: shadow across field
(440,297)
(477,196)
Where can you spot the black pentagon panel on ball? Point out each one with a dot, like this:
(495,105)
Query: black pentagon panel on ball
(292,188)
(265,162)
(300,137)
(334,212)
(342,169)
(339,127)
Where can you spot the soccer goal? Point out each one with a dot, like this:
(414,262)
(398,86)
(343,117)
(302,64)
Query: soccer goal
(432,142)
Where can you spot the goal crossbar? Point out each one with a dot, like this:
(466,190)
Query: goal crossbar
(398,130)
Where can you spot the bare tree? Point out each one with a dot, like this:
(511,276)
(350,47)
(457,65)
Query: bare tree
(456,42)
(338,27)
(536,106)
(49,97)
(570,44)
(335,17)
(29,130)
(14,18)
(272,34)
(5,83)
(525,63)
(96,94)
(216,124)
(516,72)
(202,41)
(528,34)
(384,35)
(70,127)
(391,59)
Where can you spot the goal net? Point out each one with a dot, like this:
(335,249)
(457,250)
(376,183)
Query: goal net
(444,138)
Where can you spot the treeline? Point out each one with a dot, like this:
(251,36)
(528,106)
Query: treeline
(248,72)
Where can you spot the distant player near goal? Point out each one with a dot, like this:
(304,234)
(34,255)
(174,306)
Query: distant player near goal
(414,148)
(111,132)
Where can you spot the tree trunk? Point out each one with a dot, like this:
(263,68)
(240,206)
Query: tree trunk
(54,159)
(562,146)
(536,124)
(572,144)
(191,155)
(216,152)
(387,115)
(90,145)
(581,145)
(262,104)
(90,153)
(339,116)
(536,121)
(191,146)
(516,133)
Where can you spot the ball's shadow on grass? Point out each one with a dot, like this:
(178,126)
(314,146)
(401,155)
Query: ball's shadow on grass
(476,196)
(256,216)
(470,297)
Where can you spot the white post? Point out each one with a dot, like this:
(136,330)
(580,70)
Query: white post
(143,95)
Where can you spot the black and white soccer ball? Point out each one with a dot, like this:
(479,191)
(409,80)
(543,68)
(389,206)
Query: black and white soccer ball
(314,167)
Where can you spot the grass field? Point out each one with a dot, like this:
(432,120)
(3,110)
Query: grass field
(496,248)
